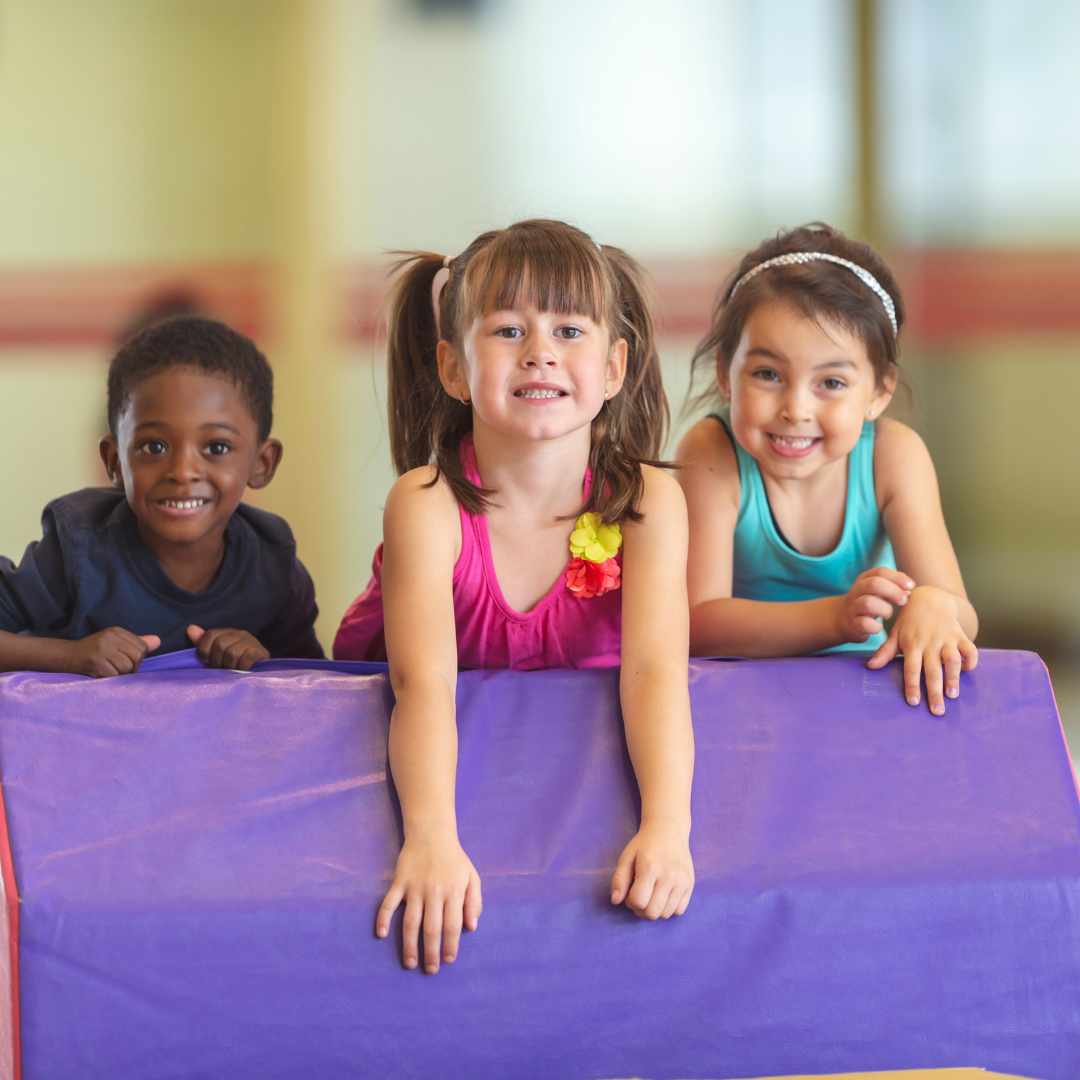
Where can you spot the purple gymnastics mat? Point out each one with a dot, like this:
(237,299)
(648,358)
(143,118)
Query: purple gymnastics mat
(200,855)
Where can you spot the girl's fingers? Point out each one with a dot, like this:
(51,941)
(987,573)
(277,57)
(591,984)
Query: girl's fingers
(684,900)
(433,927)
(969,653)
(671,903)
(912,673)
(474,902)
(886,589)
(410,930)
(886,651)
(898,577)
(873,606)
(934,697)
(954,664)
(866,626)
(641,892)
(387,909)
(452,920)
(623,876)
(661,894)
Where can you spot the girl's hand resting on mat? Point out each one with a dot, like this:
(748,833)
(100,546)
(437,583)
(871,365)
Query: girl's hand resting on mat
(869,599)
(109,652)
(441,890)
(929,634)
(655,875)
(235,649)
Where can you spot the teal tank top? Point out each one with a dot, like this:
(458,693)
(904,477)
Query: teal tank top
(767,567)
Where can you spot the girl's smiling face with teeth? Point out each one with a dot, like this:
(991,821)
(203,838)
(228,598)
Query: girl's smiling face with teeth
(534,374)
(800,390)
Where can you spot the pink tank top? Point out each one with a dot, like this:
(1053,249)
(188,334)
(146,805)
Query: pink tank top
(562,631)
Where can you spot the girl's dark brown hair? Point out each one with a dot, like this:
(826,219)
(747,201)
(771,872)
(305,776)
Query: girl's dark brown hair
(819,289)
(554,267)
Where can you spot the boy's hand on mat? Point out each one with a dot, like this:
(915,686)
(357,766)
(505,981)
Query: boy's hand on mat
(441,890)
(115,651)
(869,599)
(655,875)
(928,633)
(226,648)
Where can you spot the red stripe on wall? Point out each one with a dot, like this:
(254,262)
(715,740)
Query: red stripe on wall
(952,296)
(959,294)
(90,306)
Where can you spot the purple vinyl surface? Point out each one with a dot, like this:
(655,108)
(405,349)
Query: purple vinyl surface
(200,855)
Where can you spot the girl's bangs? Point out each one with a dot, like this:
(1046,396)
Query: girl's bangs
(548,271)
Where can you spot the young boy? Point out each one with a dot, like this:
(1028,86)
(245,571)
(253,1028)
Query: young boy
(169,556)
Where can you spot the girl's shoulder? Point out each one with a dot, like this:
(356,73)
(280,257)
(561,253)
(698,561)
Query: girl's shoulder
(902,462)
(421,503)
(710,466)
(424,485)
(708,446)
(662,491)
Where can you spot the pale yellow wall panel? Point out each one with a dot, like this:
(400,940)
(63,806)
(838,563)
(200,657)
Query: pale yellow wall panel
(133,130)
(52,411)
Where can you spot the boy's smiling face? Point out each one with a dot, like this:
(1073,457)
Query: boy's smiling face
(186,447)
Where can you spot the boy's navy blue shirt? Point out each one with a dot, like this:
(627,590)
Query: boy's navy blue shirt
(91,570)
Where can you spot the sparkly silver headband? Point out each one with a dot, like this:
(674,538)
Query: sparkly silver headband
(796,258)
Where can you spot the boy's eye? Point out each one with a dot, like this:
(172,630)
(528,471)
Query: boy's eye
(153,446)
(217,448)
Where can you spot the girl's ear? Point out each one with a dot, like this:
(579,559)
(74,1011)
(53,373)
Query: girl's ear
(723,379)
(615,372)
(110,455)
(883,394)
(452,372)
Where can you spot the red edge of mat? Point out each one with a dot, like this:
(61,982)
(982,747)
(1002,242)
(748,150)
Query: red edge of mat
(11,893)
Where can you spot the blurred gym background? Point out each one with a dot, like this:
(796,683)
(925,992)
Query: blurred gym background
(255,158)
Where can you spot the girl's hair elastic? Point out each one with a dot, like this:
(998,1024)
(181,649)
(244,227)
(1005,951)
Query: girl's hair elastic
(795,258)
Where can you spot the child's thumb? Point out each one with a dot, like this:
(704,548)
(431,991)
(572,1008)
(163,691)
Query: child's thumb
(152,641)
(195,633)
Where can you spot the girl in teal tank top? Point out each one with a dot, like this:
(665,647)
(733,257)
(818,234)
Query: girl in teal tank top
(812,519)
(767,567)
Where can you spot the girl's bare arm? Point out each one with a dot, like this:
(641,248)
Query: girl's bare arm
(655,874)
(936,628)
(722,625)
(434,877)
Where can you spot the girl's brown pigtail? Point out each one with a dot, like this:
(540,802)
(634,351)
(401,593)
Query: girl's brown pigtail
(426,424)
(414,389)
(631,428)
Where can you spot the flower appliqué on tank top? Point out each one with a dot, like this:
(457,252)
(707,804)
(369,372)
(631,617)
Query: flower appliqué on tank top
(593,570)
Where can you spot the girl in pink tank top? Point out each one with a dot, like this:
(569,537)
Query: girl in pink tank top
(559,632)
(530,528)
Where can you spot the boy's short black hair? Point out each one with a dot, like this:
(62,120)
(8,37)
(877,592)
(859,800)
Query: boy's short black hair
(193,341)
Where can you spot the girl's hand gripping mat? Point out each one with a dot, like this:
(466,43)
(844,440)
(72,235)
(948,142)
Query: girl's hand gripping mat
(200,855)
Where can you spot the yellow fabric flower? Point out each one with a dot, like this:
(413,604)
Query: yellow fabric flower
(594,541)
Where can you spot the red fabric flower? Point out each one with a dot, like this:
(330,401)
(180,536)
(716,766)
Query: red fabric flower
(587,579)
